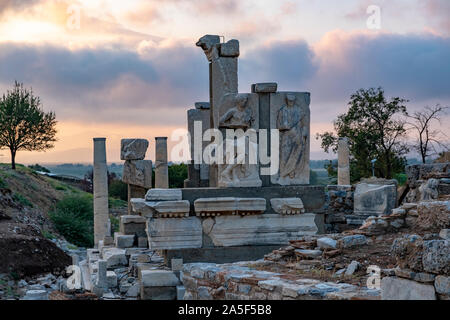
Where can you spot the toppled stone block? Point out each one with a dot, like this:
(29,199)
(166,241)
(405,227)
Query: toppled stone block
(352,268)
(445,234)
(163,195)
(408,252)
(114,257)
(138,173)
(352,241)
(267,87)
(133,149)
(36,295)
(182,233)
(393,288)
(159,278)
(111,278)
(287,205)
(133,225)
(326,243)
(123,240)
(305,253)
(442,285)
(436,256)
(434,215)
(265,229)
(415,276)
(158,285)
(374,199)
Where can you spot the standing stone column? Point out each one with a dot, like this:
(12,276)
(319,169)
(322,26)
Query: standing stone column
(161,168)
(343,162)
(101,211)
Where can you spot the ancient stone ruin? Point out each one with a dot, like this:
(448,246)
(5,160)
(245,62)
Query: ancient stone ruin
(218,237)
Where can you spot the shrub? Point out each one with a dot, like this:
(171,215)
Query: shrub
(3,184)
(22,200)
(37,167)
(118,189)
(177,174)
(73,217)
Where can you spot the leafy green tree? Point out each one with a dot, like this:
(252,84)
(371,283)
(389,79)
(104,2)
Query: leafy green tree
(23,123)
(376,129)
(177,175)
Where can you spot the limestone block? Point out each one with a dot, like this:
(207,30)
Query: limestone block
(159,278)
(133,149)
(133,225)
(142,242)
(181,290)
(287,205)
(267,87)
(352,241)
(445,234)
(36,295)
(442,285)
(138,173)
(139,207)
(163,195)
(229,205)
(176,264)
(436,256)
(374,200)
(111,278)
(158,293)
(100,186)
(289,113)
(115,257)
(123,241)
(230,49)
(266,229)
(168,209)
(393,288)
(165,233)
(433,215)
(326,243)
(304,253)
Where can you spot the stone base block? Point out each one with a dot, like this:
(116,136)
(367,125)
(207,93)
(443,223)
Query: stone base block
(219,254)
(123,241)
(166,233)
(133,225)
(158,293)
(265,229)
(393,288)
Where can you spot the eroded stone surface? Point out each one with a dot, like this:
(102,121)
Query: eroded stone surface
(287,205)
(163,195)
(138,173)
(165,233)
(229,206)
(133,149)
(393,288)
(263,229)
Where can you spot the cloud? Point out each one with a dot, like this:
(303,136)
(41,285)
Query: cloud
(108,85)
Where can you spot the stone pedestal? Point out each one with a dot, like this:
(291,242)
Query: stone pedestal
(161,167)
(135,192)
(343,162)
(101,211)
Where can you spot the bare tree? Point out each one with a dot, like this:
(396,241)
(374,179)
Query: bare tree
(429,140)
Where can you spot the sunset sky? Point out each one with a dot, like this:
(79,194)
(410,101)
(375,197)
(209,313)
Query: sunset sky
(132,69)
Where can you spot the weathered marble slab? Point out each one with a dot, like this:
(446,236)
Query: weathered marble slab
(343,162)
(133,149)
(163,195)
(292,118)
(229,206)
(138,173)
(266,229)
(183,233)
(162,209)
(266,87)
(287,205)
(374,199)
